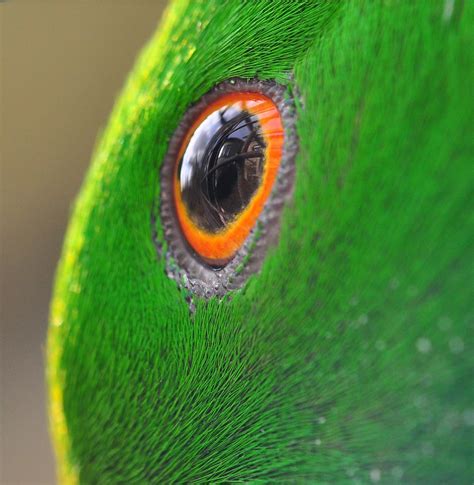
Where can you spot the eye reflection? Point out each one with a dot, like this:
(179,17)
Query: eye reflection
(222,167)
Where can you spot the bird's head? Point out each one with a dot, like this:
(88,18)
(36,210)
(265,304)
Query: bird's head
(254,275)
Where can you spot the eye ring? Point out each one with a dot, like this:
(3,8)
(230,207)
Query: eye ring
(213,247)
(218,247)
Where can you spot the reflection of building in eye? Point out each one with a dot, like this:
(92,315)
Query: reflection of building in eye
(198,144)
(232,177)
(253,167)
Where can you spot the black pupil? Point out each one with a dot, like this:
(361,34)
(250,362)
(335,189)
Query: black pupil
(222,167)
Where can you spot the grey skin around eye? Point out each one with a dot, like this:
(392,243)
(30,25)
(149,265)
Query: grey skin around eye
(192,273)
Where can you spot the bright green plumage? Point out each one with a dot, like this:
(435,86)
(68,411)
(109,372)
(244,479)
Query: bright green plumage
(348,356)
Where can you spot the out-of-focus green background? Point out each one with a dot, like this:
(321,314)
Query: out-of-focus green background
(62,65)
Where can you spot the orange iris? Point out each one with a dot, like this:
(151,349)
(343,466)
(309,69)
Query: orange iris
(219,247)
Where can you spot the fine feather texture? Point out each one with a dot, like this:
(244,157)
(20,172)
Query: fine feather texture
(348,356)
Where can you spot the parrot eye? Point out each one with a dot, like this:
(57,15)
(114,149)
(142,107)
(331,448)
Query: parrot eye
(222,165)
(220,171)
(225,170)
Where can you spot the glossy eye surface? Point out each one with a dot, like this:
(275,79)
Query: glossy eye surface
(225,169)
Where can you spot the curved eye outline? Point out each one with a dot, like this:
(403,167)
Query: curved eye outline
(218,248)
(183,265)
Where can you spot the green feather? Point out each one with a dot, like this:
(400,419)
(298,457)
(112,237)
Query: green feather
(348,356)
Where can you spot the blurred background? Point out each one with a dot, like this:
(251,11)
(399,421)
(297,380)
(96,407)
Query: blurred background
(62,66)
